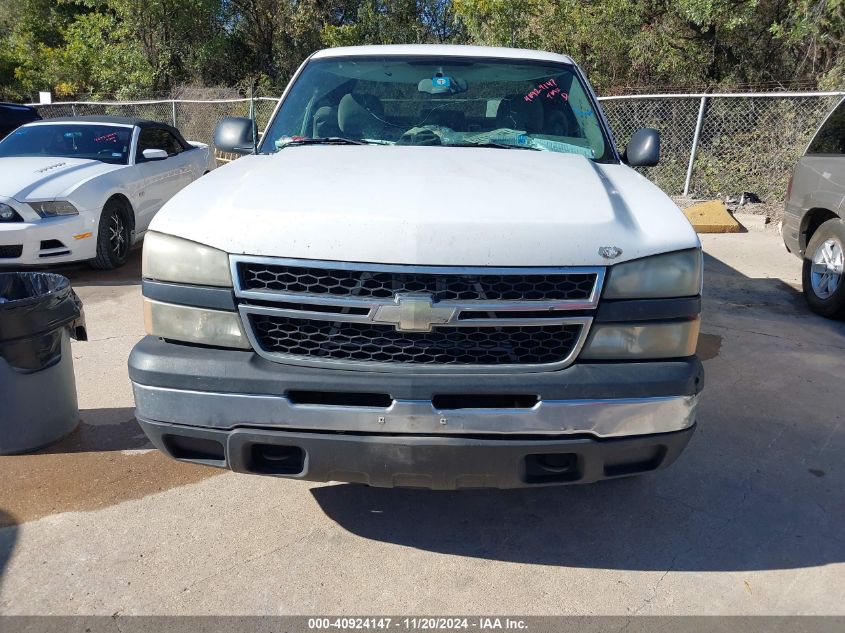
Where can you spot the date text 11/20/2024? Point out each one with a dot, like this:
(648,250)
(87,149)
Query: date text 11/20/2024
(425,623)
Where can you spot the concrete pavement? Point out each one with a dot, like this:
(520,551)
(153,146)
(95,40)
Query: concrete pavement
(748,521)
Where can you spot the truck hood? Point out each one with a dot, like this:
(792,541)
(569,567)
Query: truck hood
(427,205)
(45,177)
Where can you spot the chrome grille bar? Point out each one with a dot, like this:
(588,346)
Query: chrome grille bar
(589,302)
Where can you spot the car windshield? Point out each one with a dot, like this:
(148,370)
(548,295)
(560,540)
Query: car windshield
(449,101)
(106,143)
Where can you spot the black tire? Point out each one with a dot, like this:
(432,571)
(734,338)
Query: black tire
(114,236)
(825,298)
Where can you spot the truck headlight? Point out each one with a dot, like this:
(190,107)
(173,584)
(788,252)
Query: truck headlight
(194,325)
(168,258)
(676,274)
(622,341)
(53,208)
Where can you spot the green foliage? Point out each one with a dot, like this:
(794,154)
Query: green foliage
(396,22)
(501,22)
(98,57)
(140,47)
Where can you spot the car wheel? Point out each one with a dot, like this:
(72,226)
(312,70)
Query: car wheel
(113,237)
(824,270)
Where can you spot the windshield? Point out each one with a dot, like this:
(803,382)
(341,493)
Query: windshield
(451,101)
(106,143)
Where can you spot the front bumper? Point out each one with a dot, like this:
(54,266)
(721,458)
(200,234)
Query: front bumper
(228,408)
(440,463)
(32,236)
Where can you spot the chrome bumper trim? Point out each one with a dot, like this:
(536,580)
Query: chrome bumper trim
(613,417)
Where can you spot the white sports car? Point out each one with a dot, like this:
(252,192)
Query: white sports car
(86,188)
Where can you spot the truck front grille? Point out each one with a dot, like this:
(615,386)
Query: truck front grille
(370,342)
(435,318)
(380,284)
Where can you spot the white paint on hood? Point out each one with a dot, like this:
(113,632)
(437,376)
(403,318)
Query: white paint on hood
(428,205)
(47,177)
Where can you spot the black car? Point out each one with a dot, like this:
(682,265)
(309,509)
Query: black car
(13,115)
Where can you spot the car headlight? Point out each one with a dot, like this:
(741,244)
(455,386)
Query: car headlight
(622,341)
(53,208)
(194,325)
(8,214)
(168,258)
(676,274)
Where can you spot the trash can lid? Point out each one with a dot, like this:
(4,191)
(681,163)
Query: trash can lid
(35,302)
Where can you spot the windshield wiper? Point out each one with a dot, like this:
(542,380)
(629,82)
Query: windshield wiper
(491,144)
(324,140)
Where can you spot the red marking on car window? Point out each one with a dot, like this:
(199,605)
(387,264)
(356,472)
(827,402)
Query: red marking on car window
(106,138)
(548,88)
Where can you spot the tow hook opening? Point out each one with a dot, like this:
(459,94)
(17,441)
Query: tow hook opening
(270,459)
(195,449)
(551,467)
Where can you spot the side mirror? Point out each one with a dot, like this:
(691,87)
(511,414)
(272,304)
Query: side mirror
(644,148)
(235,135)
(154,154)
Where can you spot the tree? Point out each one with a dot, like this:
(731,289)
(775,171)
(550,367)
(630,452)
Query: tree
(501,22)
(144,47)
(396,22)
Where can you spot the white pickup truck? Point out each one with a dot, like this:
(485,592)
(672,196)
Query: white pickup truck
(435,270)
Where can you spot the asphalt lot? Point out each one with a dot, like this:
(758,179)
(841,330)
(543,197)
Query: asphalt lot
(748,521)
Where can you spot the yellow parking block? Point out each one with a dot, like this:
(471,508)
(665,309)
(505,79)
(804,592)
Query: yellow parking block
(711,217)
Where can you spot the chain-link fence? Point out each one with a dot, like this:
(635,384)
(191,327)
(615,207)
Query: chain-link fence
(712,144)
(721,144)
(195,119)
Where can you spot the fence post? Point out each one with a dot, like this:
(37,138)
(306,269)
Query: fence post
(173,110)
(254,122)
(698,124)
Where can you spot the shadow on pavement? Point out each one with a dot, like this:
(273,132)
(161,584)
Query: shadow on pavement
(761,485)
(8,536)
(102,430)
(740,292)
(82,275)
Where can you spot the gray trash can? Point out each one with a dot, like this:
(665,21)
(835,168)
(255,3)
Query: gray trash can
(39,313)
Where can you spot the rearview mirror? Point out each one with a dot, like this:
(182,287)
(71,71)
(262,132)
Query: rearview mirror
(235,134)
(442,85)
(644,148)
(154,154)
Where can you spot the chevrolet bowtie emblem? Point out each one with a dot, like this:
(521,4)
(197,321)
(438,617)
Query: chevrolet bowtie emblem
(414,313)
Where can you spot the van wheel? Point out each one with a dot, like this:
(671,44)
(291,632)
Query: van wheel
(113,237)
(823,277)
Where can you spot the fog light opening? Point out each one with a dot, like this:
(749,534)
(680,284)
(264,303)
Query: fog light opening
(551,468)
(271,459)
(556,463)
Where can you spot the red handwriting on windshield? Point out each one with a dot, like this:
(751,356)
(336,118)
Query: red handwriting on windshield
(548,88)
